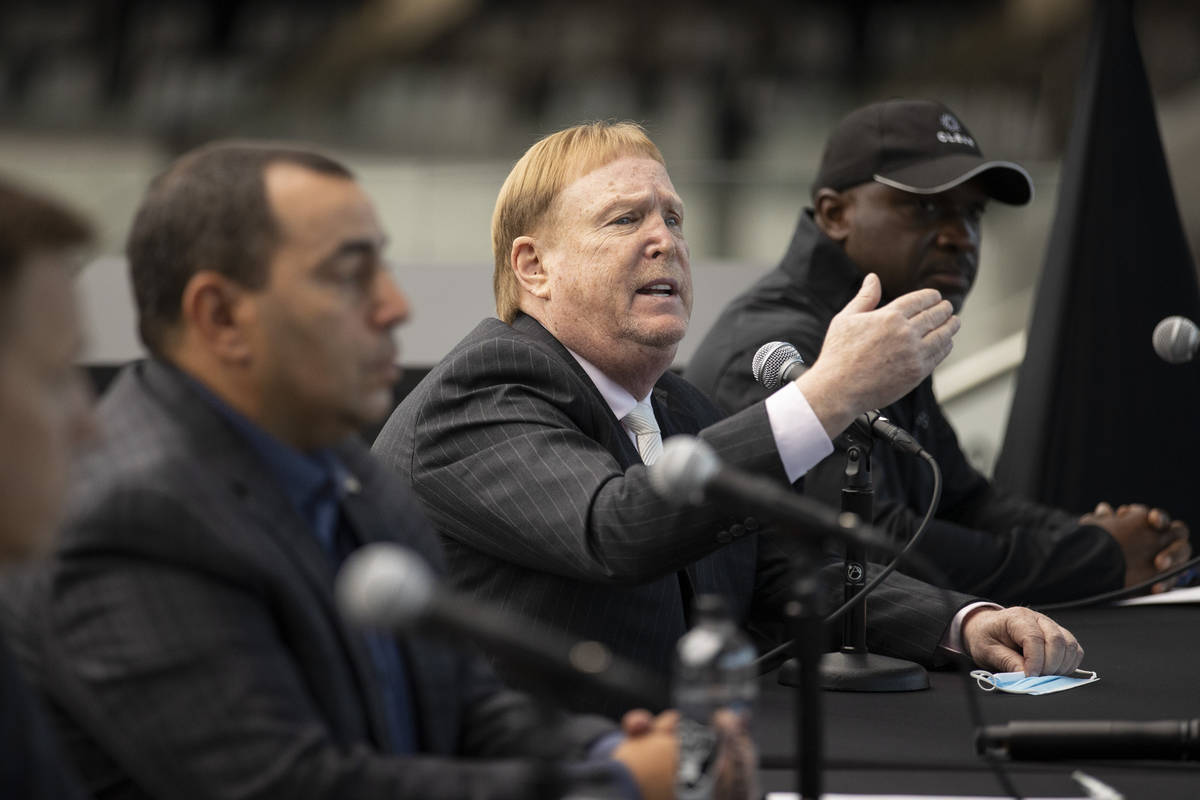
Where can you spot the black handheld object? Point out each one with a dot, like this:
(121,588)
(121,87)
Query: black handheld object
(384,585)
(1175,740)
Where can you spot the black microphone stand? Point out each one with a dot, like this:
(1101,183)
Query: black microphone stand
(854,668)
(807,630)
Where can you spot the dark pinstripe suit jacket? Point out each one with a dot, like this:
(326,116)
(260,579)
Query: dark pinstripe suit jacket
(544,506)
(186,635)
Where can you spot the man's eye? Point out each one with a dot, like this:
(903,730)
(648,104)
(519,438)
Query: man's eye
(624,219)
(673,220)
(355,273)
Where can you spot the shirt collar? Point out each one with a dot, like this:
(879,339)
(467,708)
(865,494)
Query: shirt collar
(619,399)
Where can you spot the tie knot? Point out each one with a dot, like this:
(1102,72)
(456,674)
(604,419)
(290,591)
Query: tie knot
(641,419)
(642,424)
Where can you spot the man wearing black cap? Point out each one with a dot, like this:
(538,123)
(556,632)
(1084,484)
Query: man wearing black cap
(901,192)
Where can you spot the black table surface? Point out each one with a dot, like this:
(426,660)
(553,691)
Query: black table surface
(1148,660)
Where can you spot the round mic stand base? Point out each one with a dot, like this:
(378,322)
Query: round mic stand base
(850,671)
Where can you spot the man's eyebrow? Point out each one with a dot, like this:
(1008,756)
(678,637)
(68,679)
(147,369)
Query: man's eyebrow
(672,202)
(622,201)
(364,245)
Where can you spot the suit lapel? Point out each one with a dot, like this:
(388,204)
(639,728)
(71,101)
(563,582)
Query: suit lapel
(427,666)
(604,427)
(673,421)
(672,418)
(269,510)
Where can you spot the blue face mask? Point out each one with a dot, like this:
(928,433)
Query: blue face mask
(1017,683)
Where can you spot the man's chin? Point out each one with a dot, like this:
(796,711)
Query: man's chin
(661,336)
(376,408)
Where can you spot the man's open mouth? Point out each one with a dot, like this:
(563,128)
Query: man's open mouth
(661,289)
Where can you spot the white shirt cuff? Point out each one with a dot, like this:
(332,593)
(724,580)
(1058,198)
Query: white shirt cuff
(953,640)
(799,435)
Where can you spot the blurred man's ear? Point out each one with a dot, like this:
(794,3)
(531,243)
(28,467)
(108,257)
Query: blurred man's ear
(214,312)
(833,212)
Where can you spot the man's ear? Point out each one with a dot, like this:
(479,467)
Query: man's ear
(526,262)
(833,213)
(216,311)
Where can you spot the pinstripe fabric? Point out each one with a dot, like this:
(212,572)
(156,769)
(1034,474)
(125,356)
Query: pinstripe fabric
(187,632)
(545,510)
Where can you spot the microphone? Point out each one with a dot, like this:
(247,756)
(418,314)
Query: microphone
(384,585)
(1177,740)
(688,472)
(1176,339)
(777,363)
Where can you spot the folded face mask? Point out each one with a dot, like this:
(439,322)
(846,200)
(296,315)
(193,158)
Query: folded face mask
(1017,683)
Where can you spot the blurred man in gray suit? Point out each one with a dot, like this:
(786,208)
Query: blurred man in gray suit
(527,443)
(45,414)
(186,629)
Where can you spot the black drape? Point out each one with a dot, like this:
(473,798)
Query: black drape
(1096,415)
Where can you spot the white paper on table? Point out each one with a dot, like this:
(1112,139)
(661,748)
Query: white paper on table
(836,796)
(1188,594)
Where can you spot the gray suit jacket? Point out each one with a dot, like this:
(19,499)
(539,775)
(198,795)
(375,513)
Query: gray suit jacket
(544,505)
(186,635)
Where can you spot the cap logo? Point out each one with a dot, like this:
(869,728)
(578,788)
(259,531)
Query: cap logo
(951,132)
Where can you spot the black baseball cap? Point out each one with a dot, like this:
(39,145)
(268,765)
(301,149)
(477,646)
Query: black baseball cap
(919,146)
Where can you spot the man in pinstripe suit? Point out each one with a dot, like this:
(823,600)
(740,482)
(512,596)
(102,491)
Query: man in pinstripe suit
(185,631)
(516,448)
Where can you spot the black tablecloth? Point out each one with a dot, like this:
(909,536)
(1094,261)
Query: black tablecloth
(923,742)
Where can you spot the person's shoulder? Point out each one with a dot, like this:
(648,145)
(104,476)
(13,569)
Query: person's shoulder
(498,344)
(162,466)
(138,437)
(494,353)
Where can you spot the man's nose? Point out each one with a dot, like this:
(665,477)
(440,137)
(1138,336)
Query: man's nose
(660,237)
(391,304)
(958,231)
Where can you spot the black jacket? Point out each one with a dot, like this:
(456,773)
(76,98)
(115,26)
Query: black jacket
(987,541)
(187,636)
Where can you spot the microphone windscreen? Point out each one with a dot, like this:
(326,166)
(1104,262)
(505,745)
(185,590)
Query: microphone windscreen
(769,362)
(685,467)
(384,585)
(1176,339)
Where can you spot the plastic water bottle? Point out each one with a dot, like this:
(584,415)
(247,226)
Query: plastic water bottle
(714,669)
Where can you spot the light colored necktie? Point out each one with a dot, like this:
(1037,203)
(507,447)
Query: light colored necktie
(642,424)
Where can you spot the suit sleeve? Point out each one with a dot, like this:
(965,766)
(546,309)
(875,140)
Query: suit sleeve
(520,435)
